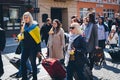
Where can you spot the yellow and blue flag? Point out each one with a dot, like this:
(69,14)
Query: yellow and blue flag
(34,31)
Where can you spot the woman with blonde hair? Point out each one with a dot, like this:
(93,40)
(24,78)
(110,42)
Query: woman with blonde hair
(31,43)
(75,56)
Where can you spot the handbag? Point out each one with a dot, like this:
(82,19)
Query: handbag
(18,49)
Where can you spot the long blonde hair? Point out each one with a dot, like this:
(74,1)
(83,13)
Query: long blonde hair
(30,15)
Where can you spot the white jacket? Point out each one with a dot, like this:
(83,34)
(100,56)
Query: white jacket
(114,39)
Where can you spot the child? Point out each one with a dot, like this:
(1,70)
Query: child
(113,37)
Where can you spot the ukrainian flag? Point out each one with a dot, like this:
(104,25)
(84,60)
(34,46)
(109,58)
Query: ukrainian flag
(34,31)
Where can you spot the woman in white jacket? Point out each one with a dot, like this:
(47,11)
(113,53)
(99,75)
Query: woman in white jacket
(113,37)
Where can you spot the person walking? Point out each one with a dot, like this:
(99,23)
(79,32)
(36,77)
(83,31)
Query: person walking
(45,30)
(31,43)
(91,37)
(56,41)
(19,51)
(103,32)
(2,46)
(76,52)
(83,26)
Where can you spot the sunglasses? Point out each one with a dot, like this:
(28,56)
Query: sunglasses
(26,17)
(71,27)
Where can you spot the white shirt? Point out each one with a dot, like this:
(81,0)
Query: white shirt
(114,39)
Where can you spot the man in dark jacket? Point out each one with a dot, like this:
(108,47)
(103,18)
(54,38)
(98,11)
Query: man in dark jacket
(91,36)
(2,46)
(45,29)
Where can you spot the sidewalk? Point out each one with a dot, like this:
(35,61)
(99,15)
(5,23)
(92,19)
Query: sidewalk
(110,71)
(10,69)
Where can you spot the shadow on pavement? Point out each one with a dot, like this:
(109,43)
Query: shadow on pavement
(115,70)
(113,67)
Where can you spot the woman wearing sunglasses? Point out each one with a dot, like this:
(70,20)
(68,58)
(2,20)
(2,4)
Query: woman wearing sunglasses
(74,58)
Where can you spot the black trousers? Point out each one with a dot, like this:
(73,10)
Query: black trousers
(31,54)
(1,66)
(91,60)
(75,67)
(102,44)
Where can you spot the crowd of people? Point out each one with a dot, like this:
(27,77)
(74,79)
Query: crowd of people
(85,35)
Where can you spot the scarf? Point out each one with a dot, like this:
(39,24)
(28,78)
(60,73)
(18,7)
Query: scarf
(88,31)
(34,31)
(72,37)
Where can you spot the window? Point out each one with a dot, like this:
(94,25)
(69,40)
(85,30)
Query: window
(108,13)
(13,12)
(12,20)
(93,0)
(9,17)
(84,11)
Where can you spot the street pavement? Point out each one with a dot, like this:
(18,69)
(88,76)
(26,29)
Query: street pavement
(109,71)
(9,69)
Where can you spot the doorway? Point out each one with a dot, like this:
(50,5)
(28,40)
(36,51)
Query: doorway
(56,13)
(62,15)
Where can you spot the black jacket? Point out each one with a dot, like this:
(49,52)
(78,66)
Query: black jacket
(44,31)
(80,49)
(2,39)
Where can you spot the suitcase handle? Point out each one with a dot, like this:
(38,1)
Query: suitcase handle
(43,57)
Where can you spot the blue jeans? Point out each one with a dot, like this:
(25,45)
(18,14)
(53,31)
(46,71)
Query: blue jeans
(29,67)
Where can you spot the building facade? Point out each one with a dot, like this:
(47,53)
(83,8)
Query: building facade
(64,9)
(57,9)
(11,11)
(106,8)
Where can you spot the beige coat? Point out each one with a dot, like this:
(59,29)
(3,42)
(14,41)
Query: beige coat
(56,43)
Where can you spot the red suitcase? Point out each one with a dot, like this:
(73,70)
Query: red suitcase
(54,68)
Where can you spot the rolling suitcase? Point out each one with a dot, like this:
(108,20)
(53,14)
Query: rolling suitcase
(54,68)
